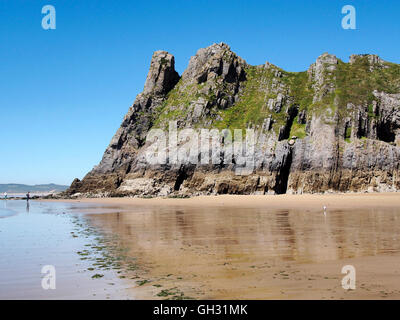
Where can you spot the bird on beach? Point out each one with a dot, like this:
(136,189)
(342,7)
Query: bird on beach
(324,210)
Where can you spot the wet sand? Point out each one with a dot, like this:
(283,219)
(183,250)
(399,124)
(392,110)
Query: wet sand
(224,247)
(39,234)
(258,247)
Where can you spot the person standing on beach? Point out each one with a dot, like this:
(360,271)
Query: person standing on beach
(27,196)
(5,195)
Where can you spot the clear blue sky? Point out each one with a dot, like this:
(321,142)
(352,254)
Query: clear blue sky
(64,92)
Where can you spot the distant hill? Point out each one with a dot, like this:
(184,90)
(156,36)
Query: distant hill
(21,188)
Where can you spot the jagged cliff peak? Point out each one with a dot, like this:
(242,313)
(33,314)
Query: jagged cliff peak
(327,57)
(162,76)
(371,58)
(213,61)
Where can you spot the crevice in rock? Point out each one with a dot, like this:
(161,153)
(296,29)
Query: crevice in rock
(231,76)
(141,141)
(292,114)
(347,131)
(128,168)
(118,182)
(282,176)
(184,173)
(202,78)
(182,176)
(223,188)
(362,131)
(361,125)
(385,132)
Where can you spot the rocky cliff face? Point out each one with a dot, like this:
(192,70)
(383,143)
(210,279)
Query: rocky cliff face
(334,127)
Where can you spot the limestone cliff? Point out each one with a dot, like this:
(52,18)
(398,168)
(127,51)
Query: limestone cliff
(334,127)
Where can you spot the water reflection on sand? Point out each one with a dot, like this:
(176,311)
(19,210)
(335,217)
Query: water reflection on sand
(222,252)
(36,234)
(199,252)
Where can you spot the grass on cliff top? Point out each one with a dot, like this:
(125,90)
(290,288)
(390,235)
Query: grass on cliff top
(353,82)
(252,106)
(176,106)
(356,82)
(300,89)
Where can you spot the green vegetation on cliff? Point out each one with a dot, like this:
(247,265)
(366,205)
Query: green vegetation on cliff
(298,130)
(251,107)
(356,81)
(269,92)
(177,103)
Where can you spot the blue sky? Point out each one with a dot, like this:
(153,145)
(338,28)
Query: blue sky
(64,92)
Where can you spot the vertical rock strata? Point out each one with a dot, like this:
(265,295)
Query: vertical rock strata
(332,128)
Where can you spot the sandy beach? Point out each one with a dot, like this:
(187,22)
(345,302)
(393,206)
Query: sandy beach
(257,247)
(306,201)
(218,247)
